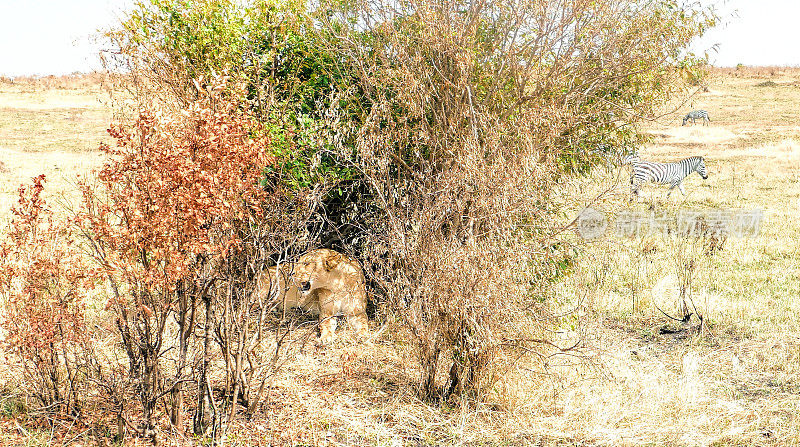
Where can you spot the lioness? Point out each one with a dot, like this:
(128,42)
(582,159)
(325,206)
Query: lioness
(324,282)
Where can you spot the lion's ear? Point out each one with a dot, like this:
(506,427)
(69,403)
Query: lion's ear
(331,262)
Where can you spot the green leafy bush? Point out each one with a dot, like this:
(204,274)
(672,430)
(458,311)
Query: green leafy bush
(174,48)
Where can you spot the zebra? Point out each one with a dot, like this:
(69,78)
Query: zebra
(631,158)
(695,115)
(666,173)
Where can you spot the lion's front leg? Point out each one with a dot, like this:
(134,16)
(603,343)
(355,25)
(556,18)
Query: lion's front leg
(360,324)
(327,327)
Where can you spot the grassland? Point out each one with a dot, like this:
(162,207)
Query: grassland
(640,378)
(738,382)
(50,126)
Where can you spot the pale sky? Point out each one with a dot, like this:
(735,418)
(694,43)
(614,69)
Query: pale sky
(755,32)
(40,37)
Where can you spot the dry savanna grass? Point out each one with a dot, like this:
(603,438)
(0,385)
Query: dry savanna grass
(737,383)
(640,379)
(50,125)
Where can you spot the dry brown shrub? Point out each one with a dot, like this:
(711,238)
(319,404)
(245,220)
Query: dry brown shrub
(179,224)
(474,119)
(44,285)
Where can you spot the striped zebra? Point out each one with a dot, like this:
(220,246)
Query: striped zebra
(666,173)
(631,158)
(695,115)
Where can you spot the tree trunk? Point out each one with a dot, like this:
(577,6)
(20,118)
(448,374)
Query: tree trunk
(204,397)
(186,310)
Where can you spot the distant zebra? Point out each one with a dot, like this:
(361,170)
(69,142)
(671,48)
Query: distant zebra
(695,115)
(666,173)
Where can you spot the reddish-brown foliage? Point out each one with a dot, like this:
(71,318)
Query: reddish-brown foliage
(169,185)
(45,283)
(176,205)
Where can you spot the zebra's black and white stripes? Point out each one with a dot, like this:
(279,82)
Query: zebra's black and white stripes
(666,173)
(695,115)
(631,158)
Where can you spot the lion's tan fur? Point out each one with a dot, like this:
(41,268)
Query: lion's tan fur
(334,284)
